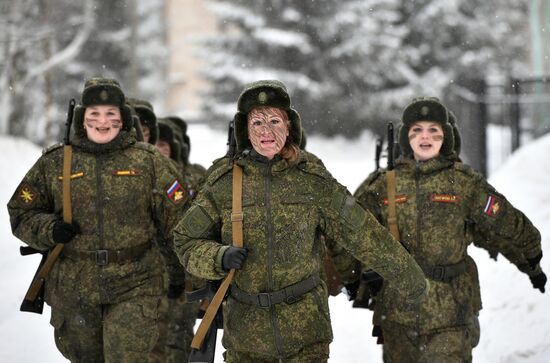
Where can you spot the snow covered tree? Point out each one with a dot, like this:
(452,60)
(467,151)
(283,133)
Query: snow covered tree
(275,39)
(48,48)
(354,64)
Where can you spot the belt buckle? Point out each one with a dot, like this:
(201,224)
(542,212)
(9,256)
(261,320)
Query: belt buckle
(438,273)
(102,257)
(264,300)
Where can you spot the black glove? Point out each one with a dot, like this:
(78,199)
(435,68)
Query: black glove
(64,232)
(234,257)
(175,291)
(534,261)
(538,281)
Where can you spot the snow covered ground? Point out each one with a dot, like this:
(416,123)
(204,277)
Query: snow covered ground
(515,320)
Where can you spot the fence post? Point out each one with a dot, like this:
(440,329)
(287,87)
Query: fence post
(515,113)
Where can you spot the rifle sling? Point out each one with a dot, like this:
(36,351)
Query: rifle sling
(392,212)
(53,255)
(237,231)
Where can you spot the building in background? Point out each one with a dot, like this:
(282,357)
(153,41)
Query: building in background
(188,21)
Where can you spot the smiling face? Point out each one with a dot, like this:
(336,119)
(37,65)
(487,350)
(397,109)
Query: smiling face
(267,130)
(426,139)
(102,123)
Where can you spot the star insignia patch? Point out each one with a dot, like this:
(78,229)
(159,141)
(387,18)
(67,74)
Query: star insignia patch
(262,97)
(27,195)
(424,110)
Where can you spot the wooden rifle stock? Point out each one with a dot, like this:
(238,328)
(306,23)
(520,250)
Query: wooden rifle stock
(37,285)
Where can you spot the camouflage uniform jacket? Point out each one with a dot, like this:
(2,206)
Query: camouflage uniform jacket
(284,206)
(123,195)
(436,203)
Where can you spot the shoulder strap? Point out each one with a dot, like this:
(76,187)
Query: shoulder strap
(237,231)
(53,255)
(392,212)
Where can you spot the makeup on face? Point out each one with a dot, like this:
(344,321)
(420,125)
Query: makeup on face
(267,130)
(425,139)
(102,123)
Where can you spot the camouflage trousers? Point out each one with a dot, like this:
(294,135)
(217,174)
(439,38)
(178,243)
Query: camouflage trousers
(122,332)
(176,331)
(403,345)
(314,353)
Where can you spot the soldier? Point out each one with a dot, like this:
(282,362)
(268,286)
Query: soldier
(440,202)
(179,315)
(277,307)
(106,287)
(147,119)
(195,172)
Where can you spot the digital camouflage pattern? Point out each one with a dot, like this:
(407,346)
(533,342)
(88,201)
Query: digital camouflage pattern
(124,194)
(284,207)
(441,206)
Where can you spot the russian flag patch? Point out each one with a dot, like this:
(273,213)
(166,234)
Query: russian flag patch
(175,192)
(492,206)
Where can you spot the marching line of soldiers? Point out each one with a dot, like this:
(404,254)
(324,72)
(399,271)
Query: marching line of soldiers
(130,228)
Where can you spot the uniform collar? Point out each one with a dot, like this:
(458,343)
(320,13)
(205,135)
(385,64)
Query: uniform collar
(122,141)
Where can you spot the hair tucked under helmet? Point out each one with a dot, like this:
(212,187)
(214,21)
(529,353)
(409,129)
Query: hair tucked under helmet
(102,91)
(426,109)
(268,93)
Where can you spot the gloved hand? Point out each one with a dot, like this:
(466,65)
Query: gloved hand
(64,232)
(175,291)
(538,281)
(234,257)
(534,261)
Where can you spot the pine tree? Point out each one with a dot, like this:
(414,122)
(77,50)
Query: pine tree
(355,64)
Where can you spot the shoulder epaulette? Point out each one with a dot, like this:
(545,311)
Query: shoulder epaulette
(219,168)
(52,148)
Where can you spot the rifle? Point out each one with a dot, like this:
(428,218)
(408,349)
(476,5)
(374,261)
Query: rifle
(208,349)
(36,306)
(378,152)
(32,301)
(231,142)
(237,234)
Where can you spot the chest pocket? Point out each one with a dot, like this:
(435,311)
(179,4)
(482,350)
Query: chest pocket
(294,223)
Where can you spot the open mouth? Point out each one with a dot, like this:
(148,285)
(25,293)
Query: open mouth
(102,130)
(425,146)
(268,142)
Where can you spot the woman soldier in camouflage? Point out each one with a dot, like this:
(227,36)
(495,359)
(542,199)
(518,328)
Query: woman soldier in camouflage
(440,202)
(277,309)
(105,288)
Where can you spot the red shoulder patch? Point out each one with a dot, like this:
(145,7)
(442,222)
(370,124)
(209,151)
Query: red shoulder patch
(492,206)
(175,192)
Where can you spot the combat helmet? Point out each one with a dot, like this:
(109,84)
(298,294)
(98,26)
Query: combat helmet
(426,109)
(102,91)
(270,93)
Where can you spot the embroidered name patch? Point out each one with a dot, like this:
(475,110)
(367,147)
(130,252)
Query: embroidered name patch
(73,176)
(398,199)
(27,195)
(444,198)
(492,206)
(175,192)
